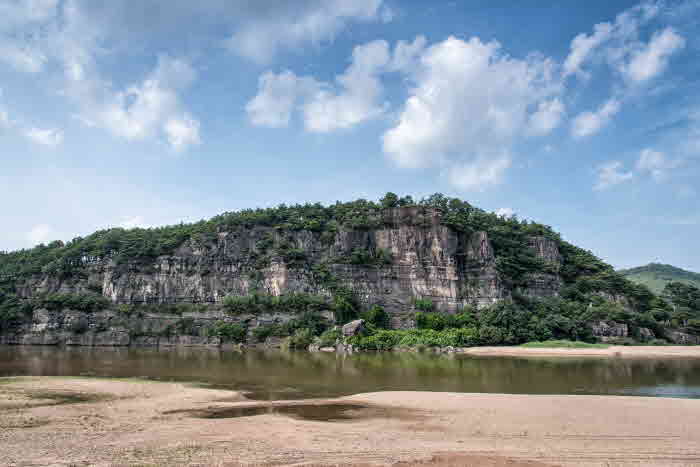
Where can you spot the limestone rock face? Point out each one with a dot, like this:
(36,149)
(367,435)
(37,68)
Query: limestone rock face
(426,260)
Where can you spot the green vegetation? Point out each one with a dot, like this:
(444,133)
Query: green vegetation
(592,289)
(376,317)
(423,304)
(656,276)
(329,337)
(308,324)
(685,306)
(367,257)
(78,302)
(263,303)
(228,332)
(563,344)
(514,322)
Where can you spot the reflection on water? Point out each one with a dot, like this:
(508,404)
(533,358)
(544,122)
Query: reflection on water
(292,375)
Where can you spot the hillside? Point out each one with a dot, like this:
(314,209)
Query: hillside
(656,276)
(461,275)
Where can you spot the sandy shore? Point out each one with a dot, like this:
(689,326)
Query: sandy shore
(612,351)
(82,421)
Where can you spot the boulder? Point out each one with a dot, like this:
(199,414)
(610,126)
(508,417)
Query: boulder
(353,328)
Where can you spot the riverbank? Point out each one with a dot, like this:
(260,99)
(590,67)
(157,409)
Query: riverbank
(631,351)
(86,421)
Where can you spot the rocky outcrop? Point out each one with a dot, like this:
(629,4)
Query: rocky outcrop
(682,338)
(426,259)
(353,328)
(609,330)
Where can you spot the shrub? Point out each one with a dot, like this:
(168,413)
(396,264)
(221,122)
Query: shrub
(261,333)
(329,337)
(228,331)
(376,316)
(301,338)
(78,302)
(423,304)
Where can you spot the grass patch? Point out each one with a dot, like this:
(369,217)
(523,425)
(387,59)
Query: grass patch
(563,344)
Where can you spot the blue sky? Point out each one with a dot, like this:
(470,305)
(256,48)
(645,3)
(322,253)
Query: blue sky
(581,115)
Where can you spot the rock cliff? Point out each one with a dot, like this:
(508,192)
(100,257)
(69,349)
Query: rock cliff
(427,260)
(169,286)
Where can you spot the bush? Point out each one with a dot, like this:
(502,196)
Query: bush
(301,339)
(376,316)
(329,338)
(78,302)
(228,331)
(423,304)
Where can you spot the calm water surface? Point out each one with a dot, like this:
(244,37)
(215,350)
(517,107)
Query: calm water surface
(290,375)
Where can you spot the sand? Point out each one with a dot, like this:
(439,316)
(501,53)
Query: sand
(639,351)
(103,422)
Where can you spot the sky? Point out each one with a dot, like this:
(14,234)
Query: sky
(580,115)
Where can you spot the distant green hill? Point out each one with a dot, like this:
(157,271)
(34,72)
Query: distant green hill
(656,276)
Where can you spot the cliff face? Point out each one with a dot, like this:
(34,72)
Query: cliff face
(426,260)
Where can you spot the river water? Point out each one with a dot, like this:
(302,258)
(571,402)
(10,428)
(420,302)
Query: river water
(290,375)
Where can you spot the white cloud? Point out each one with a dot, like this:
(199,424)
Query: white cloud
(5,121)
(547,117)
(277,97)
(469,103)
(505,212)
(182,132)
(47,137)
(583,45)
(610,42)
(407,55)
(650,61)
(610,174)
(22,39)
(325,106)
(22,57)
(261,39)
(39,234)
(141,111)
(478,174)
(588,123)
(358,96)
(655,163)
(132,222)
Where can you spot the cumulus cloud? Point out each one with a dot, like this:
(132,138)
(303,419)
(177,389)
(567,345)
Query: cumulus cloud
(47,137)
(609,42)
(469,103)
(589,123)
(652,59)
(22,41)
(260,39)
(505,212)
(655,163)
(634,62)
(547,117)
(39,234)
(407,54)
(358,96)
(610,174)
(144,110)
(352,99)
(70,34)
(277,97)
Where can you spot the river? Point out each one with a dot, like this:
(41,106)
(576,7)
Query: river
(291,375)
